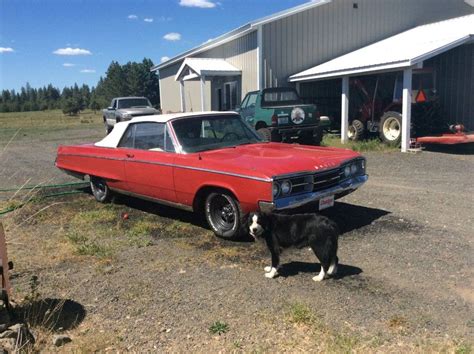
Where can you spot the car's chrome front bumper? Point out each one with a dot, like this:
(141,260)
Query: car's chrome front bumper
(296,201)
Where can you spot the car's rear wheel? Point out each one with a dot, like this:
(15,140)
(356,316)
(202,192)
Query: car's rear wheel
(100,190)
(223,214)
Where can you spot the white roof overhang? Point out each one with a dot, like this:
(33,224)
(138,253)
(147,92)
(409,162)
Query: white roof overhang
(403,50)
(195,68)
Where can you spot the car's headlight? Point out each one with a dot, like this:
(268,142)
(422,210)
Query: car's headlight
(276,189)
(354,169)
(285,187)
(347,171)
(126,115)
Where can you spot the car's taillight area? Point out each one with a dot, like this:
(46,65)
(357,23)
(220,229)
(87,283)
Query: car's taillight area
(274,119)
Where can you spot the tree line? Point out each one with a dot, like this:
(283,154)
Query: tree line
(130,79)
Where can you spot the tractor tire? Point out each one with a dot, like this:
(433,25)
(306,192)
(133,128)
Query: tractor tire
(356,130)
(390,128)
(265,133)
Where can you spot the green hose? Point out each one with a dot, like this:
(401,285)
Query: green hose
(9,210)
(50,186)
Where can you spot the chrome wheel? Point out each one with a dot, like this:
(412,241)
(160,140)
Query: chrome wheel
(100,190)
(223,214)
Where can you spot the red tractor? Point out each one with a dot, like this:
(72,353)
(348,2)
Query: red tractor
(377,105)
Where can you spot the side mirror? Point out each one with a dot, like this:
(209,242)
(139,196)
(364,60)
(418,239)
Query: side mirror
(237,108)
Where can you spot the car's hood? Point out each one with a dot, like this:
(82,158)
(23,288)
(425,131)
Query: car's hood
(275,159)
(136,111)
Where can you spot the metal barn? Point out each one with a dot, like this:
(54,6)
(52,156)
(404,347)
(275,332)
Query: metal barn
(323,44)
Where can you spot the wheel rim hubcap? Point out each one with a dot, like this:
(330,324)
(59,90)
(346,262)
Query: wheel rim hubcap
(222,213)
(391,129)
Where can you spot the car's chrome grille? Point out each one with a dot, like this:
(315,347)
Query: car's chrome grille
(326,179)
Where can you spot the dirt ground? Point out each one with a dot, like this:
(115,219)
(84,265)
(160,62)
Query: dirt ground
(137,276)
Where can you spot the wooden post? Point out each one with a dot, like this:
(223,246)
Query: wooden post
(344,109)
(4,262)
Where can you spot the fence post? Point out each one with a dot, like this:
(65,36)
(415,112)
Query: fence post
(4,262)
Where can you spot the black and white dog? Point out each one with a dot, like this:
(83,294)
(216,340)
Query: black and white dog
(300,230)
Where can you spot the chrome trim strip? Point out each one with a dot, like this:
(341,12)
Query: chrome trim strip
(176,166)
(296,201)
(154,200)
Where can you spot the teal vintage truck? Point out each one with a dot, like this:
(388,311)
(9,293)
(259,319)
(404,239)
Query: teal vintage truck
(279,114)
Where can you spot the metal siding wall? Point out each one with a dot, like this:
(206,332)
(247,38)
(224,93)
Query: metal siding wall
(170,93)
(242,53)
(306,39)
(455,84)
(169,88)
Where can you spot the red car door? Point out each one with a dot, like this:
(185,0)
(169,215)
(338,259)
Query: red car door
(149,161)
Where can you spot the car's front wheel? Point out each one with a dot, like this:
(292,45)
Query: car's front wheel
(223,214)
(100,190)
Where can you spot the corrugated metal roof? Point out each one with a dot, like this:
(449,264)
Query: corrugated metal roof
(205,66)
(402,50)
(238,32)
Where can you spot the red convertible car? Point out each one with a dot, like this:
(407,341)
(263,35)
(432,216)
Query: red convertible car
(212,162)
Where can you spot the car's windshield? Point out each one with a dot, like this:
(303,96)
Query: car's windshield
(280,97)
(213,132)
(133,102)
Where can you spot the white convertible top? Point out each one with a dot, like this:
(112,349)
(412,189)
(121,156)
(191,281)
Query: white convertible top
(112,140)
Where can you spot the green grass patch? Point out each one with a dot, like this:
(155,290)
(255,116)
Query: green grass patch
(46,125)
(463,348)
(301,314)
(330,140)
(219,328)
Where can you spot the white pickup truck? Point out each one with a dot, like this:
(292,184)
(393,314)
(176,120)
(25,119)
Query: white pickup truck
(125,108)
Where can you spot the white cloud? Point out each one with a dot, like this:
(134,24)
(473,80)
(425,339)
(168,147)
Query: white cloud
(203,4)
(6,50)
(72,51)
(88,71)
(68,65)
(164,19)
(163,59)
(149,20)
(132,17)
(173,36)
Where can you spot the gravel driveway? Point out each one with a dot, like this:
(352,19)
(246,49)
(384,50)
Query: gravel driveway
(406,278)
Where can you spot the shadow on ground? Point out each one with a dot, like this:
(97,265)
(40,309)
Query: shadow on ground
(459,149)
(52,314)
(294,268)
(349,217)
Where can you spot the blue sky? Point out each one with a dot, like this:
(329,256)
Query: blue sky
(67,41)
